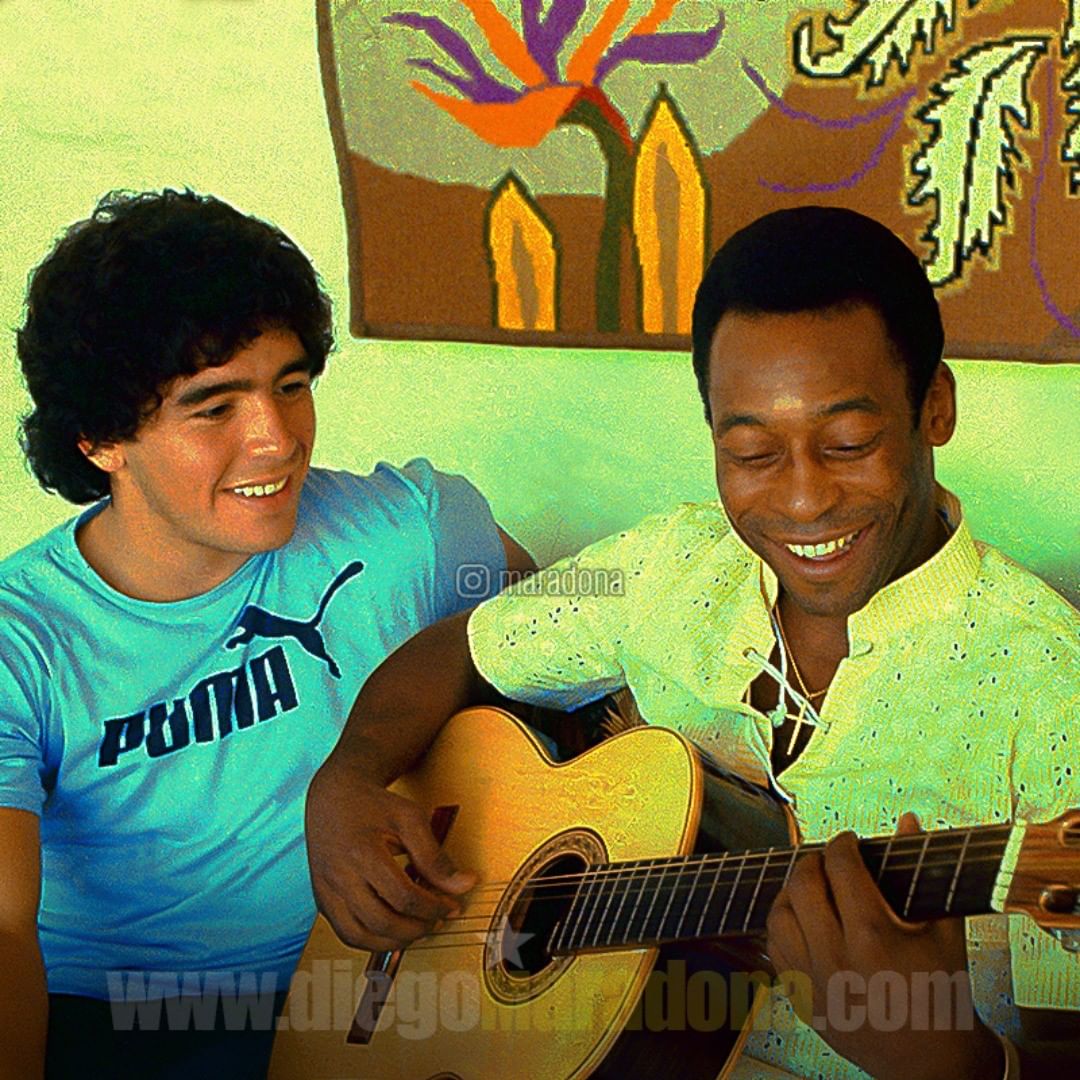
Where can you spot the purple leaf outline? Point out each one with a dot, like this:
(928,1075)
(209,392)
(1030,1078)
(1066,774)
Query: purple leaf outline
(544,39)
(871,163)
(481,87)
(1060,316)
(666,47)
(840,122)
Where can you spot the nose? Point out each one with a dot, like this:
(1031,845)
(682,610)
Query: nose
(267,432)
(806,490)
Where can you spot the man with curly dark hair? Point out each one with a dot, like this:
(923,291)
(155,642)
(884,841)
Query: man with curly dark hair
(177,660)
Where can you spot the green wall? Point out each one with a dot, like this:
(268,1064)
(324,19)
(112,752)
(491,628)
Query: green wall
(225,96)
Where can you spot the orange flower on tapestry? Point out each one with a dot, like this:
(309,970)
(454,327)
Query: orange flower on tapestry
(506,114)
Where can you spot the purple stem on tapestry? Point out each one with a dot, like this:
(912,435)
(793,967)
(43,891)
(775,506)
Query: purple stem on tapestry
(870,164)
(544,40)
(485,89)
(1062,319)
(677,47)
(467,87)
(841,122)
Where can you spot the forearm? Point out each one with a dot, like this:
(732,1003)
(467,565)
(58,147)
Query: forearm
(24,1008)
(407,699)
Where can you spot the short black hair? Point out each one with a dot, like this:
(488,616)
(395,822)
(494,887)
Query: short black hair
(812,258)
(153,285)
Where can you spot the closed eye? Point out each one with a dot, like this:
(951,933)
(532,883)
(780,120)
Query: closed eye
(753,460)
(851,449)
(215,412)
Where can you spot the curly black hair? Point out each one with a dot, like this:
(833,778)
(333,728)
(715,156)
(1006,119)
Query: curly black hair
(813,258)
(152,286)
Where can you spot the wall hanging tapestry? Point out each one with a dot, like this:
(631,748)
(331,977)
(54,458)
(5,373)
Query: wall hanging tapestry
(559,172)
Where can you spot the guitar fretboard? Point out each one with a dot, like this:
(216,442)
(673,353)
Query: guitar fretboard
(635,904)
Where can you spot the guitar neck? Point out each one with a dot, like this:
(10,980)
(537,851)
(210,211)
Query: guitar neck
(636,904)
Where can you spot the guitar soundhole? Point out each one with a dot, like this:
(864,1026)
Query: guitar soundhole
(517,964)
(533,918)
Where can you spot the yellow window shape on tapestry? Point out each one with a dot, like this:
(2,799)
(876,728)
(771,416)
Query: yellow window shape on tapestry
(524,259)
(669,220)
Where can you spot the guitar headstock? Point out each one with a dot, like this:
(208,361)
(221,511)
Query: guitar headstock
(1045,880)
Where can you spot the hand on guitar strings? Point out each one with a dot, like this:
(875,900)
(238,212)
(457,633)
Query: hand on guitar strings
(832,925)
(355,828)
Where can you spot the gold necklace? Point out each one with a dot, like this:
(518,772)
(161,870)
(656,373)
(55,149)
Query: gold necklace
(794,666)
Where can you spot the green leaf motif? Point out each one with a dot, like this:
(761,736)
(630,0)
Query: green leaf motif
(1070,83)
(967,161)
(875,35)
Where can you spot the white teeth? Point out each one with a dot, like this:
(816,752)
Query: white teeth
(814,551)
(258,490)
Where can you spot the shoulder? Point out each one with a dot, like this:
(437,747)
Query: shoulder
(1023,608)
(1015,588)
(416,485)
(40,580)
(413,515)
(684,556)
(689,528)
(337,486)
(338,501)
(41,597)
(1029,635)
(35,559)
(687,544)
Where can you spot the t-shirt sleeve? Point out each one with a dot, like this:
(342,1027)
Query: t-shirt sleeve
(21,752)
(470,560)
(556,639)
(1046,776)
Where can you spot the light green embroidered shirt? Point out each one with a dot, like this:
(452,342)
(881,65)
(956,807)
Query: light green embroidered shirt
(957,700)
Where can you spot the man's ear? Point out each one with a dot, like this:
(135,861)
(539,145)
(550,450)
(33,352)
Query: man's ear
(938,419)
(108,457)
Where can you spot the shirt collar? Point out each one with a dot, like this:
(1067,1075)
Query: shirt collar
(922,593)
(919,595)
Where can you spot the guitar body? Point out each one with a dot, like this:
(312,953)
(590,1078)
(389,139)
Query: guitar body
(598,942)
(460,1010)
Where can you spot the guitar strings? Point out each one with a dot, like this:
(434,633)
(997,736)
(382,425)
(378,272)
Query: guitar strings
(484,914)
(737,863)
(479,938)
(617,947)
(729,867)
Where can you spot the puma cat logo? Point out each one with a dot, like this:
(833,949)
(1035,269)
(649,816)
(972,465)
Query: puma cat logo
(258,622)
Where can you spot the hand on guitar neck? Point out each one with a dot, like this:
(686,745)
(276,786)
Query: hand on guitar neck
(831,920)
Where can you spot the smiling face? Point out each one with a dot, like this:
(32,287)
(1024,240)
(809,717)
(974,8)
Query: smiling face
(212,477)
(818,463)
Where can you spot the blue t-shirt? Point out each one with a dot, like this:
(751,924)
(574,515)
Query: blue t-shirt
(168,747)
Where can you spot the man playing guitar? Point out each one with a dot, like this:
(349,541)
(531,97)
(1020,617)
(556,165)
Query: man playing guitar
(830,631)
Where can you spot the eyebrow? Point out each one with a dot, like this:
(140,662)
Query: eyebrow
(857,404)
(200,394)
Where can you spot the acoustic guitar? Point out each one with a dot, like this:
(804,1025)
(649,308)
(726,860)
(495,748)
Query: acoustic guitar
(598,942)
